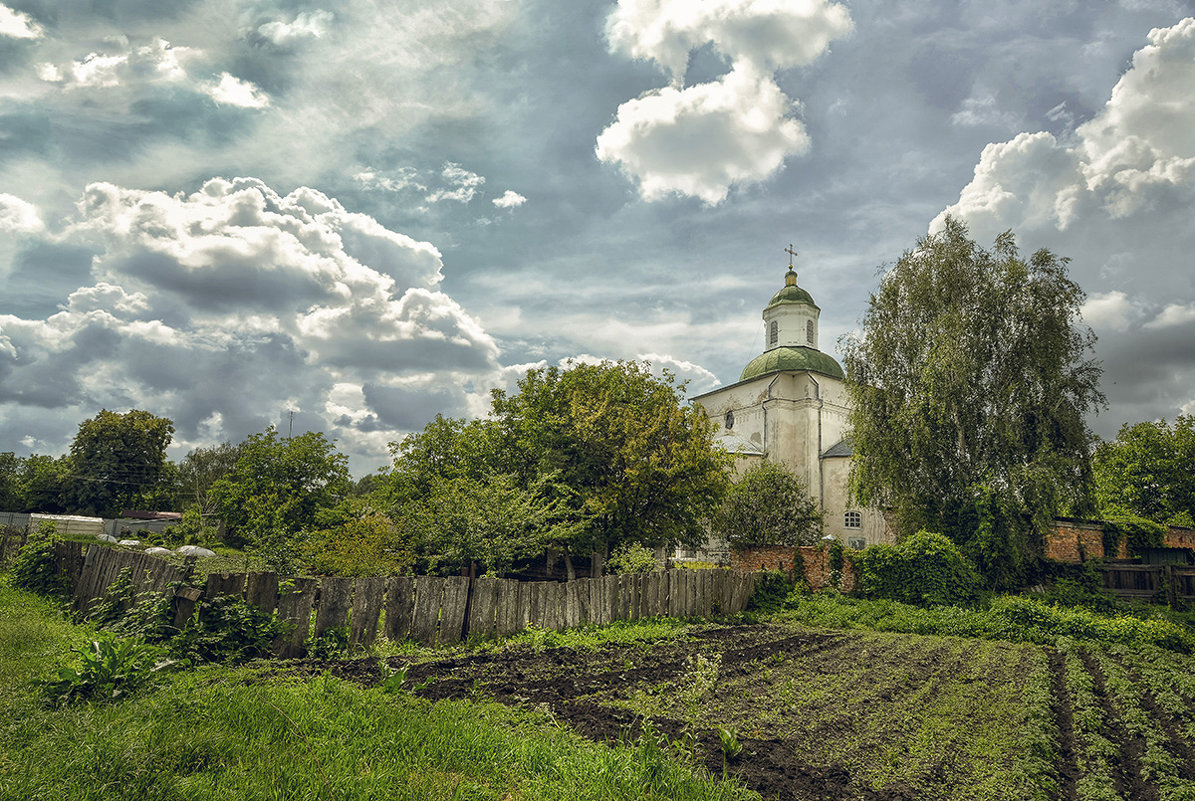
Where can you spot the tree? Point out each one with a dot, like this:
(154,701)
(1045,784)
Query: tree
(45,483)
(632,463)
(602,454)
(970,385)
(768,506)
(10,482)
(118,460)
(200,469)
(1149,471)
(277,487)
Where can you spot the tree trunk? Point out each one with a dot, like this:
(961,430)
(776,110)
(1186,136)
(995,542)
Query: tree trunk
(570,572)
(597,561)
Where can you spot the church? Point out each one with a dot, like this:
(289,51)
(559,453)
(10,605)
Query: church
(790,405)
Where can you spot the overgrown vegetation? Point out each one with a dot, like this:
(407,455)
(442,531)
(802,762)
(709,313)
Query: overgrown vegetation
(34,569)
(925,569)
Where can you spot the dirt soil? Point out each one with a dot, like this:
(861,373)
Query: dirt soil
(569,682)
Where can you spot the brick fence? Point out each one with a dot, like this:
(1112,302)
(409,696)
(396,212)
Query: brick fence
(816,560)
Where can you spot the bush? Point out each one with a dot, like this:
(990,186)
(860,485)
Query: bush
(631,558)
(366,546)
(34,568)
(227,629)
(1136,530)
(926,569)
(771,590)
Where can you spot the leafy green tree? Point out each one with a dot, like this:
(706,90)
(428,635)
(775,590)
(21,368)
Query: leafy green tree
(118,460)
(45,483)
(631,461)
(1148,471)
(447,448)
(368,544)
(462,523)
(970,385)
(277,487)
(10,482)
(768,506)
(200,469)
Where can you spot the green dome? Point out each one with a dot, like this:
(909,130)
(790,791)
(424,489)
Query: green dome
(782,359)
(791,294)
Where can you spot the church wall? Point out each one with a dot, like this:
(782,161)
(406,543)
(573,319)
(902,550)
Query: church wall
(873,529)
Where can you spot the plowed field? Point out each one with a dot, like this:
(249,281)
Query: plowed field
(845,715)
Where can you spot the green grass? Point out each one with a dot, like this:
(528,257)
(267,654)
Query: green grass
(218,733)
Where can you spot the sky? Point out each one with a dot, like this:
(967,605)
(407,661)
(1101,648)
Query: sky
(348,217)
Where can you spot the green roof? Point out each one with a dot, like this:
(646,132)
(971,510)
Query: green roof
(791,294)
(778,360)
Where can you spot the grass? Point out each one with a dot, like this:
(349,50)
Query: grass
(219,733)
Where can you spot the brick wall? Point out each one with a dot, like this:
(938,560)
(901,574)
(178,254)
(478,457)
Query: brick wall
(1075,541)
(1179,537)
(780,557)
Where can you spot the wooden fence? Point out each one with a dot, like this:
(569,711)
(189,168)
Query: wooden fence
(428,609)
(1174,583)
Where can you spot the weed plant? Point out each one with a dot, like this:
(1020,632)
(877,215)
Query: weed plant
(34,569)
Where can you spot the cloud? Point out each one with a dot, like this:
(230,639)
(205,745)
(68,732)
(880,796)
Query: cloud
(702,139)
(18,24)
(18,216)
(231,90)
(226,305)
(767,34)
(985,111)
(157,62)
(306,25)
(1111,311)
(509,200)
(462,184)
(1174,314)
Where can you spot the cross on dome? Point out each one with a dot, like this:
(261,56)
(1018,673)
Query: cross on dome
(790,278)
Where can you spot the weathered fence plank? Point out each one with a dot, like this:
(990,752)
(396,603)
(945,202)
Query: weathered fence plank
(334,604)
(452,615)
(400,608)
(368,594)
(507,607)
(294,607)
(429,591)
(224,584)
(261,591)
(523,612)
(482,608)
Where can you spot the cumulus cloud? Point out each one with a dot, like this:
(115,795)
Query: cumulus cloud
(307,25)
(223,306)
(702,139)
(232,91)
(766,33)
(18,24)
(509,200)
(1174,314)
(18,216)
(1117,196)
(158,61)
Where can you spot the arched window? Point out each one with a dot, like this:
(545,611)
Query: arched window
(852,520)
(809,331)
(729,420)
(773,333)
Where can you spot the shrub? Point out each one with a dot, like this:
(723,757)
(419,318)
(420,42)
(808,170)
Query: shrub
(631,558)
(770,591)
(34,569)
(227,629)
(365,546)
(926,569)
(1136,530)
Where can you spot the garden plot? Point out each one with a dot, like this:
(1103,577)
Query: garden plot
(817,714)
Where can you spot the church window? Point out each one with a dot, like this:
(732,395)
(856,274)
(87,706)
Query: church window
(773,333)
(809,331)
(856,543)
(852,520)
(729,420)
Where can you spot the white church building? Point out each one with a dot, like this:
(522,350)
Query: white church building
(790,405)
